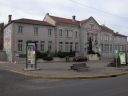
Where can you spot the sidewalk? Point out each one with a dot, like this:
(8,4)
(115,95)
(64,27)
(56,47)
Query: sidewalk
(61,70)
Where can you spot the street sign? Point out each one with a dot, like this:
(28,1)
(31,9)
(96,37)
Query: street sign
(116,53)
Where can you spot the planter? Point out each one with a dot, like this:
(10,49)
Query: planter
(93,57)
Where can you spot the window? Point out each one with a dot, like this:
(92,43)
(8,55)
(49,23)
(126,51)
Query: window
(106,38)
(92,26)
(42,45)
(37,45)
(49,32)
(76,46)
(92,36)
(49,46)
(88,36)
(20,45)
(61,46)
(69,33)
(36,31)
(102,47)
(20,29)
(76,34)
(66,46)
(96,37)
(60,33)
(110,47)
(71,46)
(110,38)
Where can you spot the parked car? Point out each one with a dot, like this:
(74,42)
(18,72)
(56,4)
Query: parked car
(80,59)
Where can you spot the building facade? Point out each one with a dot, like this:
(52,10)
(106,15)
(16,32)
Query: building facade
(56,34)
(1,35)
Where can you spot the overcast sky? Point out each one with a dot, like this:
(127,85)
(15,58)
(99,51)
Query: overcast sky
(112,13)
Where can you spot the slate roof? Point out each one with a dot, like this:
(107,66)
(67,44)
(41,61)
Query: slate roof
(105,29)
(63,21)
(31,21)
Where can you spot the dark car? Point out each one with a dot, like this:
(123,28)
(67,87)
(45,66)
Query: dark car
(80,59)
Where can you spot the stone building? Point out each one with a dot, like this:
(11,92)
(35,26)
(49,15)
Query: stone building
(55,34)
(1,35)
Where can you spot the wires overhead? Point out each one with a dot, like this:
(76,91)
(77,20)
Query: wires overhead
(122,21)
(96,9)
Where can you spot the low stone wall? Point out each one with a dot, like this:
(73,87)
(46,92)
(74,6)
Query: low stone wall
(55,59)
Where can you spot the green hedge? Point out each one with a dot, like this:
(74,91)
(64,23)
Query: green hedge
(64,54)
(40,55)
(48,58)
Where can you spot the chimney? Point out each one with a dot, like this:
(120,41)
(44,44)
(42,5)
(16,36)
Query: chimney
(9,18)
(47,14)
(73,18)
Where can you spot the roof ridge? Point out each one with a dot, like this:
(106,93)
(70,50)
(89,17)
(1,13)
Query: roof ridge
(62,18)
(26,19)
(31,21)
(63,21)
(119,34)
(104,26)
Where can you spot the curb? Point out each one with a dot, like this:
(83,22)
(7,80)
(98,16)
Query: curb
(69,77)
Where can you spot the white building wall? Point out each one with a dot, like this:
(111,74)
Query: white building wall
(8,42)
(11,31)
(107,44)
(28,34)
(93,32)
(120,43)
(64,38)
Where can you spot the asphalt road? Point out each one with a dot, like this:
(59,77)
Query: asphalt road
(12,84)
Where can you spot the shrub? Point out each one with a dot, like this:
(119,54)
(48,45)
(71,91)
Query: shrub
(72,54)
(40,55)
(61,54)
(64,54)
(91,52)
(22,55)
(48,58)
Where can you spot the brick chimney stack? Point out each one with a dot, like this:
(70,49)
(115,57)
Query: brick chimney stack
(73,18)
(9,18)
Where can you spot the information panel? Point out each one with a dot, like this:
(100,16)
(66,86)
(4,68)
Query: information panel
(122,56)
(31,54)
